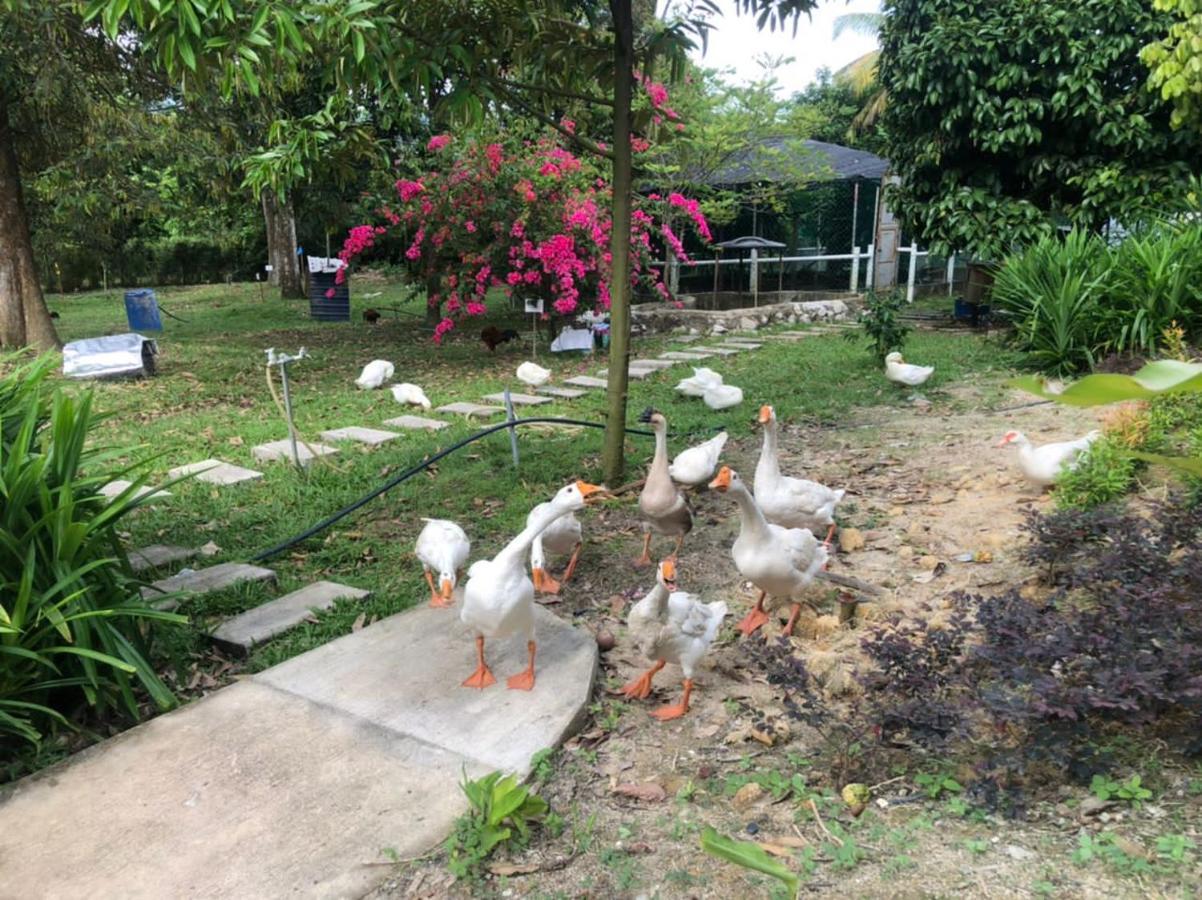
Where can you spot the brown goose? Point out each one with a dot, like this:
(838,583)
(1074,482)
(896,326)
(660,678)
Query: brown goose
(663,506)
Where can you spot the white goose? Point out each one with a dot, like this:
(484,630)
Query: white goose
(533,374)
(784,500)
(781,562)
(411,394)
(374,374)
(697,465)
(442,547)
(901,372)
(671,626)
(1043,464)
(498,599)
(722,396)
(564,535)
(703,379)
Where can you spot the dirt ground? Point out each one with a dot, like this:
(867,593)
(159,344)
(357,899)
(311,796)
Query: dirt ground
(925,485)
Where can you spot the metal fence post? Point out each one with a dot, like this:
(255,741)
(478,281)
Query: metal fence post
(913,273)
(855,269)
(951,274)
(869,274)
(513,434)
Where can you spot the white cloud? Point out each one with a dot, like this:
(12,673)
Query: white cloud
(734,43)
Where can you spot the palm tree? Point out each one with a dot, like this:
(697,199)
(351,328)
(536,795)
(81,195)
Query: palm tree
(860,73)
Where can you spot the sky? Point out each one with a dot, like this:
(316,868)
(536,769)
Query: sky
(734,43)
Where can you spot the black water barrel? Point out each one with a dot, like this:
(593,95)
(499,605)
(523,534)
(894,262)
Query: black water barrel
(329,302)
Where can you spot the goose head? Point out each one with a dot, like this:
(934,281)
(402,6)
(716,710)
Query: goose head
(666,575)
(1013,437)
(726,479)
(767,414)
(654,418)
(895,358)
(446,584)
(574,496)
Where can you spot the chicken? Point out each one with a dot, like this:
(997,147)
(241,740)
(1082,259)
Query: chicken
(371,316)
(494,336)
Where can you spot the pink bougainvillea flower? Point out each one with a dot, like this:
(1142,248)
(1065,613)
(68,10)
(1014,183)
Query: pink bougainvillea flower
(438,142)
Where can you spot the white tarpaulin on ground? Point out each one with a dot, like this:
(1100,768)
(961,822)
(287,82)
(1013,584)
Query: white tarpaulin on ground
(104,357)
(573,339)
(325,264)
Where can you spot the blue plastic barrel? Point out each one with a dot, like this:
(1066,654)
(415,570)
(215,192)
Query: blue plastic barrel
(142,310)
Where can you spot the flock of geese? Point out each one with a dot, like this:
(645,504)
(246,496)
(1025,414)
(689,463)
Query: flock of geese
(776,548)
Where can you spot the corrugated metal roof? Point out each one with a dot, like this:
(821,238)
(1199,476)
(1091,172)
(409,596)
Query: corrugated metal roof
(827,162)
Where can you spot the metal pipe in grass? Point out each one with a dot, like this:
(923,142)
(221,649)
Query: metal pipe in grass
(417,469)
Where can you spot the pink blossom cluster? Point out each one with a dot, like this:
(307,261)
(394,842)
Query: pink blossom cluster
(693,209)
(438,142)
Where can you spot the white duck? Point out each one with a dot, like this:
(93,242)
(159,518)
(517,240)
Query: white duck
(697,465)
(671,626)
(781,562)
(784,500)
(703,379)
(564,535)
(498,599)
(442,547)
(901,372)
(533,374)
(723,396)
(410,393)
(664,508)
(1044,463)
(374,374)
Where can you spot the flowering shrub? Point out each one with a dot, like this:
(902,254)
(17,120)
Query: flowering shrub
(528,216)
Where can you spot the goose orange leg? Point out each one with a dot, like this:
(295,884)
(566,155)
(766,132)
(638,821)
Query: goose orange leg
(524,681)
(792,623)
(755,619)
(645,559)
(567,573)
(640,688)
(436,599)
(664,713)
(481,678)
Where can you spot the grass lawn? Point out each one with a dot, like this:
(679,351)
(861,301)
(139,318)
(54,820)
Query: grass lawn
(210,399)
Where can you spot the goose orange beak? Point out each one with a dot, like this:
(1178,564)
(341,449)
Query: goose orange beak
(1006,439)
(722,480)
(447,588)
(587,490)
(765,415)
(668,568)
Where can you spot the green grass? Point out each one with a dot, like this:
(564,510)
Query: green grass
(211,399)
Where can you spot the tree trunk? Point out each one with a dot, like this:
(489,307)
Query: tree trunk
(613,456)
(280,220)
(24,319)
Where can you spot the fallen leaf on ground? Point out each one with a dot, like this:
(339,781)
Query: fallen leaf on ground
(649,791)
(503,869)
(358,623)
(747,795)
(776,849)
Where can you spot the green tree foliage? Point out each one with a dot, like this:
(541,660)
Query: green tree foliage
(1008,118)
(1176,61)
(827,110)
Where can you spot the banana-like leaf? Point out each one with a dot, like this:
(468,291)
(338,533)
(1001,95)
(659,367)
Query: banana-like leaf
(749,855)
(1160,377)
(1191,465)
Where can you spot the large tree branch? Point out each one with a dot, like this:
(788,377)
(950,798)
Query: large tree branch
(554,92)
(580,140)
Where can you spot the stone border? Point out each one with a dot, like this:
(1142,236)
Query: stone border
(659,318)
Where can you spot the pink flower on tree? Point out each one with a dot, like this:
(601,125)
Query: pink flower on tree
(438,142)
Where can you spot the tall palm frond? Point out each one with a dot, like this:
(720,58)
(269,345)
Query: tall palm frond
(865,23)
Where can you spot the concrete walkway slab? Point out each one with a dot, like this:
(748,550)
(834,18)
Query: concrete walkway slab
(289,782)
(155,556)
(683,355)
(214,471)
(415,422)
(264,622)
(722,351)
(206,580)
(587,381)
(281,451)
(369,436)
(518,399)
(742,345)
(652,363)
(561,392)
(685,338)
(471,409)
(636,372)
(113,488)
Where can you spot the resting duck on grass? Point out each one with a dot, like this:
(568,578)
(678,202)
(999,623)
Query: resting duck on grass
(671,626)
(899,371)
(498,599)
(781,562)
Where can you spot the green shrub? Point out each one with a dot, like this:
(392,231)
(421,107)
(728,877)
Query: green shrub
(501,812)
(72,621)
(1053,294)
(1103,473)
(881,321)
(1155,285)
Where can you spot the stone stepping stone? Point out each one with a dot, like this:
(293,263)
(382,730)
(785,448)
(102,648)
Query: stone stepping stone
(281,451)
(562,392)
(204,581)
(113,488)
(264,622)
(470,409)
(637,373)
(723,351)
(214,471)
(741,345)
(681,355)
(652,363)
(415,422)
(587,381)
(157,555)
(369,436)
(686,338)
(518,399)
